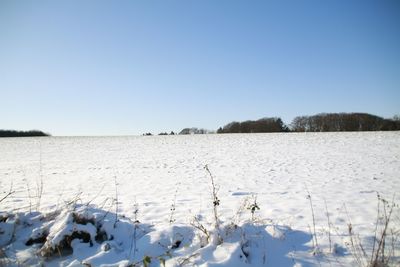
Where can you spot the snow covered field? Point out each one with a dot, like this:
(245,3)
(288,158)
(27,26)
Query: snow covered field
(156,186)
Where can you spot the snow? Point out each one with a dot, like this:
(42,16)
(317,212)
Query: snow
(137,200)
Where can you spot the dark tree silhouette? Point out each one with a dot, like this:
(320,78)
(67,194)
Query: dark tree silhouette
(13,133)
(331,122)
(264,125)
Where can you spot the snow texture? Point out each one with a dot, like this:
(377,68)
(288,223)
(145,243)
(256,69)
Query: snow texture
(146,201)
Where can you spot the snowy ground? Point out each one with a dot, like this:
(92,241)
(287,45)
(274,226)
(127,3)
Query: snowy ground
(161,185)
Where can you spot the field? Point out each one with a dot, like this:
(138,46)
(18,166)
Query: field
(280,199)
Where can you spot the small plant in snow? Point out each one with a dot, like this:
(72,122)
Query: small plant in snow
(217,235)
(116,200)
(39,183)
(329,227)
(253,207)
(135,229)
(173,206)
(314,232)
(205,239)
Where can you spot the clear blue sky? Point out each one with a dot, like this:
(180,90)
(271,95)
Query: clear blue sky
(129,67)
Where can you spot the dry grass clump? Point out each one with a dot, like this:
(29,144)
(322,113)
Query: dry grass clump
(385,241)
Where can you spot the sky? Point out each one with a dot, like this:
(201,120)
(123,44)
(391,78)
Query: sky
(129,67)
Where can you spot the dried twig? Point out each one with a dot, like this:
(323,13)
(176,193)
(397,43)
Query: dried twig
(216,203)
(116,200)
(10,192)
(313,219)
(329,227)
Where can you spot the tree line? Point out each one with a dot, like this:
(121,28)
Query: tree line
(338,122)
(323,122)
(13,133)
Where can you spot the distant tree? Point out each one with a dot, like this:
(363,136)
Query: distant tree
(264,125)
(13,133)
(194,130)
(164,133)
(282,126)
(300,124)
(396,120)
(171,133)
(185,131)
(147,134)
(233,127)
